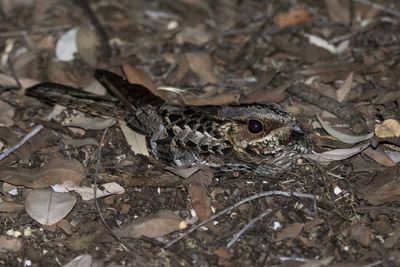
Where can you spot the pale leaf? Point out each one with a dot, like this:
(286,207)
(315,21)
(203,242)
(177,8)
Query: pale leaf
(345,138)
(136,141)
(48,207)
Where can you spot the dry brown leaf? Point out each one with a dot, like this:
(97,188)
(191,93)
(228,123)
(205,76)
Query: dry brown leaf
(384,190)
(292,17)
(10,244)
(183,69)
(198,191)
(138,76)
(379,156)
(388,128)
(65,226)
(160,224)
(345,89)
(362,234)
(11,207)
(291,231)
(57,171)
(48,207)
(183,172)
(224,257)
(338,12)
(83,242)
(6,114)
(197,36)
(201,64)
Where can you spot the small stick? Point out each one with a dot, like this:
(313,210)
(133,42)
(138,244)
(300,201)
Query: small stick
(96,174)
(341,110)
(247,227)
(11,149)
(263,194)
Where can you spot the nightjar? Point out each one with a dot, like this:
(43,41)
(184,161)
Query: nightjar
(259,138)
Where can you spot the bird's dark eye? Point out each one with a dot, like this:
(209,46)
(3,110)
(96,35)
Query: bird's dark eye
(255,126)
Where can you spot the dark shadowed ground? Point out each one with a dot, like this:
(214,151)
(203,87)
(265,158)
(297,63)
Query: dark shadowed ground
(336,59)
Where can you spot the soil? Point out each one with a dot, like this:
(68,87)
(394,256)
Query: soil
(336,59)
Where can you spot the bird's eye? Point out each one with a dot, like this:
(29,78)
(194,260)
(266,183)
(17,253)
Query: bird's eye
(255,126)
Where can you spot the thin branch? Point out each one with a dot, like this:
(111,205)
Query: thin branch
(11,149)
(96,174)
(247,227)
(263,194)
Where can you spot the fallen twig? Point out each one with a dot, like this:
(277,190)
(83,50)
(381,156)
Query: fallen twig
(247,227)
(263,194)
(11,149)
(96,174)
(341,110)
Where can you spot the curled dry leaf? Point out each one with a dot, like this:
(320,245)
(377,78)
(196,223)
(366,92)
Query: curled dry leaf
(346,138)
(338,11)
(291,231)
(198,190)
(136,141)
(201,64)
(292,17)
(57,171)
(336,154)
(87,123)
(10,244)
(138,76)
(87,193)
(160,224)
(388,128)
(48,207)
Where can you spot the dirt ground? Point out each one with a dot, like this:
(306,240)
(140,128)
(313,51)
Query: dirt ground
(338,60)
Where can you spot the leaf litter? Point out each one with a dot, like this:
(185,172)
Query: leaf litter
(217,53)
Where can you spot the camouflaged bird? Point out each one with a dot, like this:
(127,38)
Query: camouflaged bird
(259,138)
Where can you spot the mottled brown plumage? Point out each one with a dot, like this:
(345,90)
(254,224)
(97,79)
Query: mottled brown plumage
(259,138)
